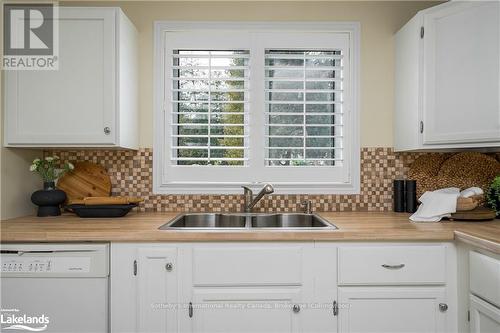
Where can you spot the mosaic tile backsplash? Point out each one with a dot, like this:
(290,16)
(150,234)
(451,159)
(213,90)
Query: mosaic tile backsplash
(132,175)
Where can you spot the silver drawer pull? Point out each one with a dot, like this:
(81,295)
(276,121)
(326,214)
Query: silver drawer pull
(393,266)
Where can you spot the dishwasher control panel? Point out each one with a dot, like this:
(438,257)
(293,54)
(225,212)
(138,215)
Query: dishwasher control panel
(19,264)
(54,260)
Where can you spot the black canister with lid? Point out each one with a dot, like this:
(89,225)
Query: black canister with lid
(411,196)
(399,195)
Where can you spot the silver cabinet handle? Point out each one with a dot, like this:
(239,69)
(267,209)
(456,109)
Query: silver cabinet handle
(107,130)
(296,308)
(190,310)
(443,307)
(335,308)
(393,266)
(169,267)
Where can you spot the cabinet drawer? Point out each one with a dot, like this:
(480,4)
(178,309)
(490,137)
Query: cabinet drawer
(232,266)
(485,277)
(392,265)
(392,309)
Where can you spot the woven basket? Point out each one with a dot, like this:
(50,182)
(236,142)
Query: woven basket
(462,170)
(466,204)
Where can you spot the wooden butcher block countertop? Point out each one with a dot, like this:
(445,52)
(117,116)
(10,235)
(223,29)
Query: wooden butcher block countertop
(143,227)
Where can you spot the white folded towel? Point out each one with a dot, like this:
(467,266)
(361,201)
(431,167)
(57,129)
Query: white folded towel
(471,191)
(436,204)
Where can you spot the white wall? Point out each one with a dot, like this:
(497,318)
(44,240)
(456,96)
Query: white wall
(16,181)
(379,22)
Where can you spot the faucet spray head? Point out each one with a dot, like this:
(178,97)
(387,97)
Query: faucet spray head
(268,189)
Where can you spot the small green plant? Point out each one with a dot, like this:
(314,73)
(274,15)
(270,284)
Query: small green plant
(493,195)
(47,168)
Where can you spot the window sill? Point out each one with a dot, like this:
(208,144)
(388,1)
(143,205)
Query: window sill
(279,188)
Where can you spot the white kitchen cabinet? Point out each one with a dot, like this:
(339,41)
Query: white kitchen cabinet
(484,288)
(144,287)
(484,317)
(267,287)
(448,78)
(231,287)
(156,290)
(392,264)
(247,309)
(396,287)
(91,100)
(484,273)
(392,309)
(478,285)
(254,286)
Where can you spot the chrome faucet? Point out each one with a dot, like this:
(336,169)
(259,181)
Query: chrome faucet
(250,201)
(307,205)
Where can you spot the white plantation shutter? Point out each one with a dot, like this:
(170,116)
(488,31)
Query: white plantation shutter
(209,97)
(303,93)
(244,104)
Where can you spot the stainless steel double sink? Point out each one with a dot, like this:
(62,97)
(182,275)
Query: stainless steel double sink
(245,221)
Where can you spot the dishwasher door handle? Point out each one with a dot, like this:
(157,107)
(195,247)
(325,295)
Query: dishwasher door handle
(21,252)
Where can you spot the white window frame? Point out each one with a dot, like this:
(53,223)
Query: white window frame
(350,182)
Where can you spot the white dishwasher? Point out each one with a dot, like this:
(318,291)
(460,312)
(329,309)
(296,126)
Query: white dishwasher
(54,287)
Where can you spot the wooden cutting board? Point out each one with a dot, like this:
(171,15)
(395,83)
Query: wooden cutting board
(99,201)
(477,214)
(86,180)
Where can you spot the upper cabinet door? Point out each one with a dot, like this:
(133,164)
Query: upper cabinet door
(73,104)
(461,65)
(91,100)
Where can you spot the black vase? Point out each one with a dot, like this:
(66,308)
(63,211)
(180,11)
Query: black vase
(48,200)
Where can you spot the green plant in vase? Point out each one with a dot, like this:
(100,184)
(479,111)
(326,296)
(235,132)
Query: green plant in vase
(48,169)
(49,199)
(493,195)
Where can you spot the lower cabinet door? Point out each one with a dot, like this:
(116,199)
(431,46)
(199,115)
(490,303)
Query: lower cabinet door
(391,309)
(156,290)
(241,310)
(484,317)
